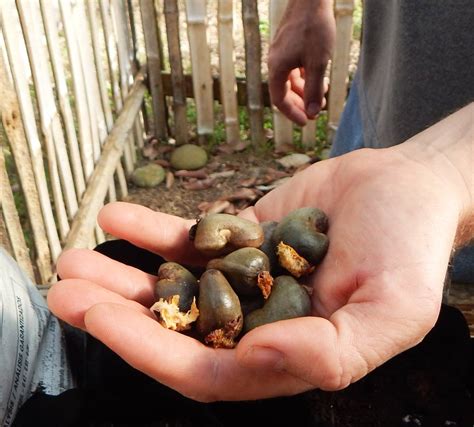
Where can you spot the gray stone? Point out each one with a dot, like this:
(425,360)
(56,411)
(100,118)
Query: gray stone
(148,176)
(294,160)
(188,157)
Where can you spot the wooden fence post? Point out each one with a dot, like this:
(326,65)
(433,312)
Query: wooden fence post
(21,101)
(282,126)
(253,60)
(227,71)
(177,76)
(63,97)
(150,32)
(201,65)
(61,180)
(13,125)
(343,10)
(12,221)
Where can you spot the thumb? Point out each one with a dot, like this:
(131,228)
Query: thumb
(306,348)
(332,353)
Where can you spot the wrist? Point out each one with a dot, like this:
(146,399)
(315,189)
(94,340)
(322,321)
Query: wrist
(308,7)
(447,150)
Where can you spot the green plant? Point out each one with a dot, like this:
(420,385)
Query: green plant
(357,20)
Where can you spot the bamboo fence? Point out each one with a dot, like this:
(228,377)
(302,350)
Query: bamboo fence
(80,80)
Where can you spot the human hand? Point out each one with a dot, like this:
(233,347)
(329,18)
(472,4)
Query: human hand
(298,58)
(393,217)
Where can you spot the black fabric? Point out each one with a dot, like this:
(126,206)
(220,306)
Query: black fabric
(111,393)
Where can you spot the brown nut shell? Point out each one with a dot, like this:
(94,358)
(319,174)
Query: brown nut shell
(218,234)
(174,279)
(244,269)
(303,230)
(268,246)
(288,300)
(220,320)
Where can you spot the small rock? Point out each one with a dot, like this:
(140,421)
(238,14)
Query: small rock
(294,160)
(148,176)
(188,157)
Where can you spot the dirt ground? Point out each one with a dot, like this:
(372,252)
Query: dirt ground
(234,169)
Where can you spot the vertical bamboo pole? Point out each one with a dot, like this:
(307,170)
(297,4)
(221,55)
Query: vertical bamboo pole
(7,22)
(176,66)
(227,71)
(122,44)
(35,191)
(150,32)
(253,69)
(59,168)
(79,90)
(110,47)
(12,221)
(94,106)
(63,96)
(282,126)
(99,70)
(201,65)
(343,10)
(104,97)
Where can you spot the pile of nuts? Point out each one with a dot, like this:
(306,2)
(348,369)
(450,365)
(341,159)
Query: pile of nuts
(250,279)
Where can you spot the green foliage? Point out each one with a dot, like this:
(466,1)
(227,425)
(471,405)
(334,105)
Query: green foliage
(264,27)
(357,20)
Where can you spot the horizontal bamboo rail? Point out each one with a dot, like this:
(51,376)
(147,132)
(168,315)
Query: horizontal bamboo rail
(111,153)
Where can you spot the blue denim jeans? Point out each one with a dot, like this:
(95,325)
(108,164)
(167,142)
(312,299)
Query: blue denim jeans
(350,137)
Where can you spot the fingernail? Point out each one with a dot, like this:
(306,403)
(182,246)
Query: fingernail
(258,357)
(313,109)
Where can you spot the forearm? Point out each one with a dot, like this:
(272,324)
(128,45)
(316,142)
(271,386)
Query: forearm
(305,10)
(447,149)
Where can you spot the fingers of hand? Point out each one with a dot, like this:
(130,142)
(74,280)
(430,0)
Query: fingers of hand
(292,106)
(166,235)
(286,98)
(314,92)
(70,299)
(177,360)
(122,279)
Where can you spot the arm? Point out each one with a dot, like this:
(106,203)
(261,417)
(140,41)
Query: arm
(298,58)
(394,216)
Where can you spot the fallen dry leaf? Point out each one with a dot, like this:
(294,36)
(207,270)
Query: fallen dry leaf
(217,206)
(242,194)
(200,174)
(227,148)
(162,162)
(201,184)
(271,175)
(223,174)
(248,182)
(169,179)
